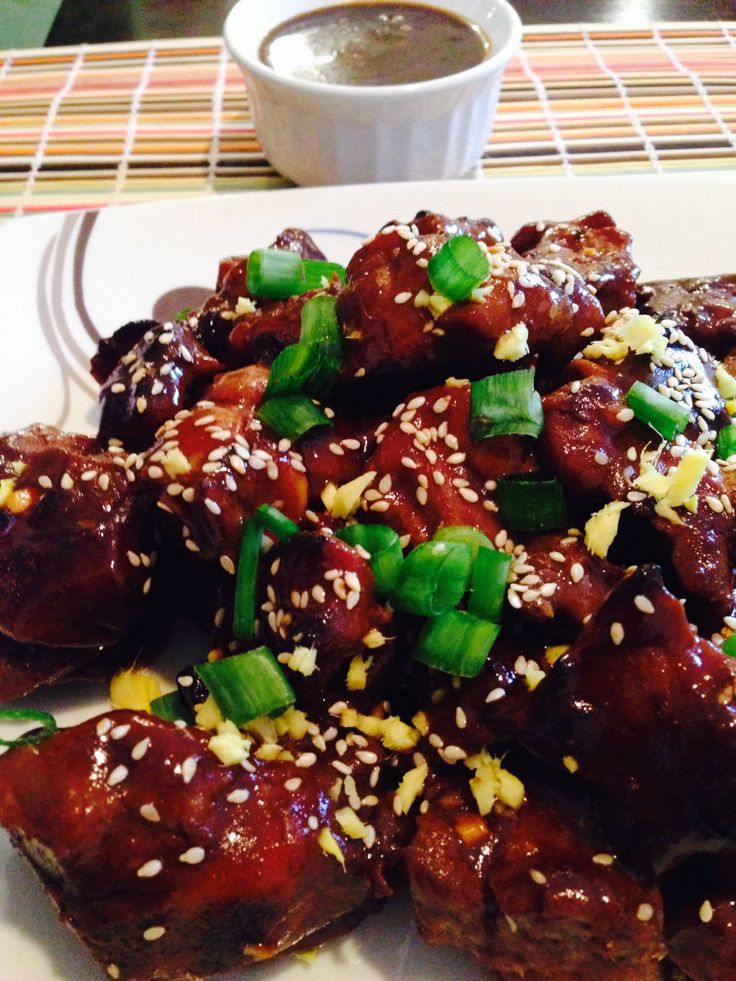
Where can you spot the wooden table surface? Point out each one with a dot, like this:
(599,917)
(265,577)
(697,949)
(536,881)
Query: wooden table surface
(127,20)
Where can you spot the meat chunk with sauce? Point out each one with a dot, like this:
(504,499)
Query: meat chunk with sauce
(152,381)
(532,893)
(705,308)
(594,246)
(171,866)
(396,333)
(76,547)
(642,710)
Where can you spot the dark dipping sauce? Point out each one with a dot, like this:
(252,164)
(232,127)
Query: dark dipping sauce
(374,44)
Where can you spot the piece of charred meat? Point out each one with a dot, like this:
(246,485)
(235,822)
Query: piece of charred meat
(76,547)
(705,308)
(520,884)
(171,866)
(594,246)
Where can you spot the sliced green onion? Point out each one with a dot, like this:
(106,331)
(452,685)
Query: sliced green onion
(321,332)
(276,522)
(277,274)
(28,715)
(456,642)
(729,646)
(727,442)
(244,612)
(171,708)
(386,556)
(247,685)
(291,415)
(488,583)
(291,370)
(318,273)
(505,404)
(433,578)
(183,313)
(666,417)
(532,505)
(458,268)
(465,534)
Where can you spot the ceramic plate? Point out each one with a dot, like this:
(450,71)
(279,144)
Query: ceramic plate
(67,279)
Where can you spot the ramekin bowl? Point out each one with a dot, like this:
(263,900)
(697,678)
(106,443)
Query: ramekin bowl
(321,133)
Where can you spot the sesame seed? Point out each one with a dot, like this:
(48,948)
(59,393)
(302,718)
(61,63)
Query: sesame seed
(292,784)
(468,495)
(154,932)
(141,404)
(227,564)
(342,767)
(305,760)
(117,388)
(601,458)
(114,971)
(188,769)
(192,856)
(238,796)
(103,727)
(645,912)
(452,754)
(577,572)
(140,749)
(45,481)
(402,297)
(150,813)
(617,633)
(539,877)
(204,420)
(494,695)
(644,604)
(119,732)
(150,869)
(603,858)
(461,719)
(117,776)
(353,598)
(706,912)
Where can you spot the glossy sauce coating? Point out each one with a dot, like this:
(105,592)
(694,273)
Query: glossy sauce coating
(374,44)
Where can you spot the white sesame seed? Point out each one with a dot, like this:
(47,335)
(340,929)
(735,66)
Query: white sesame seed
(119,732)
(238,796)
(140,749)
(645,912)
(494,695)
(617,633)
(644,604)
(227,564)
(468,495)
(625,415)
(188,769)
(192,856)
(292,784)
(117,776)
(539,877)
(402,297)
(150,869)
(603,858)
(577,572)
(461,720)
(452,754)
(706,912)
(154,932)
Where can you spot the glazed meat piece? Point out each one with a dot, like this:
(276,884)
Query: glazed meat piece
(394,336)
(261,333)
(422,477)
(214,464)
(593,246)
(316,594)
(481,229)
(532,893)
(700,917)
(25,667)
(705,308)
(581,580)
(151,382)
(171,866)
(214,322)
(76,547)
(642,709)
(594,445)
(111,349)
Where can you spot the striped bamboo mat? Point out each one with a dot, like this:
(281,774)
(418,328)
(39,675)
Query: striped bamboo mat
(102,124)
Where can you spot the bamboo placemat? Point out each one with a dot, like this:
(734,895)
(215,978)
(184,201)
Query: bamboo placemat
(105,124)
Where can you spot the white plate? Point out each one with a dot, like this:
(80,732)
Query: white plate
(65,279)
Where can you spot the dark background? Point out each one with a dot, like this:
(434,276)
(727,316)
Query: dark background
(126,20)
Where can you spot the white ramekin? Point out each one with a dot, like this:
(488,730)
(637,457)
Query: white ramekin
(318,133)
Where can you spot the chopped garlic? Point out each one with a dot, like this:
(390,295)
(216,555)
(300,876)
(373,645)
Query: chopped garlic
(392,732)
(602,527)
(230,746)
(175,463)
(264,727)
(631,331)
(358,672)
(134,689)
(207,715)
(301,659)
(294,722)
(351,824)
(438,304)
(512,345)
(306,956)
(725,382)
(348,496)
(329,845)
(7,485)
(491,783)
(245,306)
(421,722)
(411,786)
(374,638)
(676,488)
(553,653)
